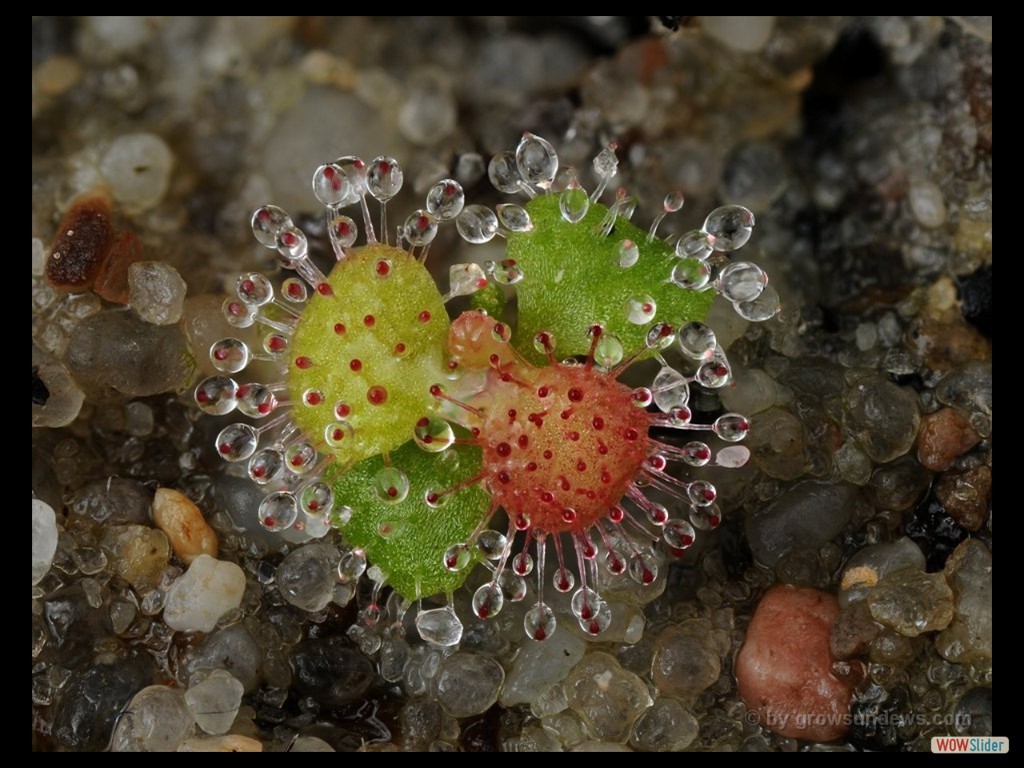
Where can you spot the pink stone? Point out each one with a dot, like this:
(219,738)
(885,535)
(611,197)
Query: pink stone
(784,668)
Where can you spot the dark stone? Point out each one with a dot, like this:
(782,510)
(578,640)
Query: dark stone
(73,624)
(232,648)
(935,532)
(40,393)
(976,299)
(89,706)
(974,713)
(884,725)
(482,734)
(331,672)
(899,485)
(805,517)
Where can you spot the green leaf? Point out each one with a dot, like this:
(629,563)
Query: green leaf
(407,540)
(572,280)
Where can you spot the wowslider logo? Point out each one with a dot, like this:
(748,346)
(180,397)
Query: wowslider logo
(972,744)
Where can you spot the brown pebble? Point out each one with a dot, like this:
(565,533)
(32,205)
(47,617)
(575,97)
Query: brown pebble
(176,515)
(784,669)
(81,244)
(947,345)
(58,74)
(112,278)
(229,743)
(965,495)
(853,631)
(943,436)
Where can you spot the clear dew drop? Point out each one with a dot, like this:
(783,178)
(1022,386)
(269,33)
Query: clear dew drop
(504,272)
(391,485)
(229,355)
(433,434)
(629,254)
(457,557)
(706,518)
(714,374)
(696,453)
(351,566)
(331,186)
(522,564)
(697,341)
(660,336)
(640,310)
(729,226)
(741,281)
(477,224)
(731,427)
(439,626)
(701,493)
(294,290)
(237,313)
(266,466)
(501,333)
(216,395)
(267,223)
(539,622)
(614,562)
(585,603)
(609,351)
(316,499)
(691,274)
(488,600)
(491,544)
(573,202)
(384,178)
(544,342)
(253,288)
(678,534)
(695,244)
(514,217)
(504,173)
(536,160)
(643,567)
(276,344)
(680,416)
(641,397)
(513,586)
(278,511)
(563,580)
(291,246)
(338,434)
(256,400)
(673,202)
(670,389)
(599,623)
(420,227)
(300,457)
(354,170)
(446,199)
(657,514)
(435,498)
(764,307)
(343,230)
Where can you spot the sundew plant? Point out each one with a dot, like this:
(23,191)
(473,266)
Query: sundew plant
(494,439)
